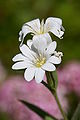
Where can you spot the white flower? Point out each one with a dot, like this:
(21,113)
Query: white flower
(51,24)
(38,40)
(37,62)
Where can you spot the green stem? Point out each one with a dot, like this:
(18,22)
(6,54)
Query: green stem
(51,84)
(60,107)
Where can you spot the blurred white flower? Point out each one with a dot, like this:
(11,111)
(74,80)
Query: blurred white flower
(52,24)
(42,58)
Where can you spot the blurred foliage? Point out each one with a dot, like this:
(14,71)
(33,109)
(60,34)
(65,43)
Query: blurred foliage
(4,116)
(48,118)
(76,115)
(14,13)
(73,101)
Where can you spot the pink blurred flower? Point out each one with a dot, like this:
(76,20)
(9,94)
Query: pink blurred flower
(17,88)
(69,77)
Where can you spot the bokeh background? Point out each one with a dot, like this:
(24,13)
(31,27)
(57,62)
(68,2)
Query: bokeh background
(14,13)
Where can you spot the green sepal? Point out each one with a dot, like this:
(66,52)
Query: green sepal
(54,74)
(52,80)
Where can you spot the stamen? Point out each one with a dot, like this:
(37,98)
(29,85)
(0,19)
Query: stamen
(40,62)
(41,27)
(58,54)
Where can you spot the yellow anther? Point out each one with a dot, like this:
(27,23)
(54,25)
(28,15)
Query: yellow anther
(40,62)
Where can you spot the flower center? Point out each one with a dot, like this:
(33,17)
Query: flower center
(40,61)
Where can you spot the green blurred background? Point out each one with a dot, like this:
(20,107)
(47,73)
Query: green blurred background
(14,13)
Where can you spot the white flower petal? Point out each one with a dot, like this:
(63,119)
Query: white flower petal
(22,65)
(29,43)
(25,30)
(34,24)
(49,67)
(24,49)
(54,25)
(58,20)
(47,38)
(19,65)
(50,24)
(57,32)
(29,27)
(29,73)
(55,60)
(39,42)
(39,75)
(27,52)
(19,57)
(20,36)
(51,48)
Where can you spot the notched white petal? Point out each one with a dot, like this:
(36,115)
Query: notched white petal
(39,42)
(19,57)
(34,25)
(39,75)
(55,60)
(57,32)
(19,65)
(54,25)
(29,43)
(29,27)
(20,36)
(29,73)
(27,52)
(51,48)
(47,38)
(51,19)
(49,67)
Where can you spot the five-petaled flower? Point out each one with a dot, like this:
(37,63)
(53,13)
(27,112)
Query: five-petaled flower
(52,24)
(38,59)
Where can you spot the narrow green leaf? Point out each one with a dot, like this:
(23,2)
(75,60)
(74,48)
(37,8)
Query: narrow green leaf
(76,115)
(37,110)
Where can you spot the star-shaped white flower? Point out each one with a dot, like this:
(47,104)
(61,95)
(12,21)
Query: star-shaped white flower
(39,61)
(53,25)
